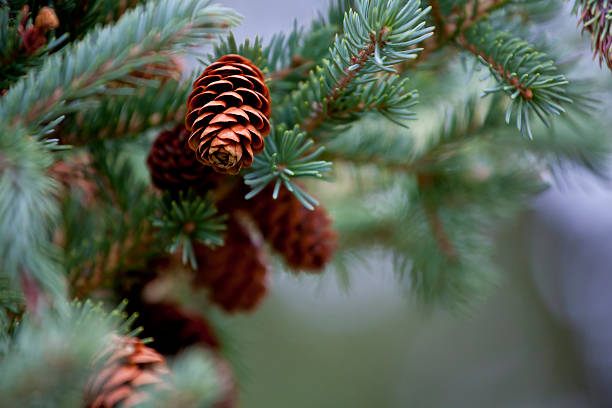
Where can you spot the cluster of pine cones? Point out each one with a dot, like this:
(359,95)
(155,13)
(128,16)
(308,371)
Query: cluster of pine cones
(226,122)
(225,126)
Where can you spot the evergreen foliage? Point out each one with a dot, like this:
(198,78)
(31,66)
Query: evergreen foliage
(344,90)
(188,219)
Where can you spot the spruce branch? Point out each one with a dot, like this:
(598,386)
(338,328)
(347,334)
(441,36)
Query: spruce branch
(526,75)
(84,68)
(127,115)
(50,356)
(28,213)
(287,155)
(377,35)
(186,219)
(443,241)
(102,241)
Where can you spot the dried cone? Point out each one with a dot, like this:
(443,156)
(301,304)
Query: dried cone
(173,166)
(227,114)
(303,237)
(236,273)
(129,368)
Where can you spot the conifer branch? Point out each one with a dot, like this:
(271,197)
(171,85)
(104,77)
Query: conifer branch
(186,219)
(425,181)
(357,63)
(28,212)
(376,37)
(126,115)
(526,75)
(501,70)
(288,155)
(84,68)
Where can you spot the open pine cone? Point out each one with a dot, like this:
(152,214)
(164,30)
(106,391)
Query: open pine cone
(227,114)
(129,368)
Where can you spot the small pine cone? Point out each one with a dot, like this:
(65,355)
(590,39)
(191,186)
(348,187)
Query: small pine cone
(129,368)
(46,19)
(303,237)
(173,329)
(173,166)
(227,114)
(236,273)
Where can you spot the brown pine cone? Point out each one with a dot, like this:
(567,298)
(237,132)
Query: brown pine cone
(173,166)
(46,19)
(236,273)
(227,114)
(304,238)
(34,36)
(173,329)
(129,367)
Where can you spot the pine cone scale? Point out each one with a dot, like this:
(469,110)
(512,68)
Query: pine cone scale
(130,366)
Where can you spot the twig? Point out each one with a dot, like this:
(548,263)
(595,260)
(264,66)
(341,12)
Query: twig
(527,93)
(443,241)
(357,61)
(297,62)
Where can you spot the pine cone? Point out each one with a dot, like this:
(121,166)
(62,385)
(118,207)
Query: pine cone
(173,166)
(46,19)
(129,368)
(34,36)
(303,237)
(236,273)
(227,114)
(173,329)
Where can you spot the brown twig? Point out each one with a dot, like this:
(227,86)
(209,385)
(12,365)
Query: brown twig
(527,93)
(437,228)
(453,26)
(438,20)
(297,62)
(357,61)
(443,241)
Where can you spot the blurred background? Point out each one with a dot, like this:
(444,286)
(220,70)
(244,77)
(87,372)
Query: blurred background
(541,338)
